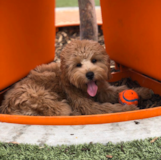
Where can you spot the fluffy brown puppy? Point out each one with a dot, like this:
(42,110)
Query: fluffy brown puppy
(76,86)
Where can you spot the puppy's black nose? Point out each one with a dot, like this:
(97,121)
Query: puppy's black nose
(90,75)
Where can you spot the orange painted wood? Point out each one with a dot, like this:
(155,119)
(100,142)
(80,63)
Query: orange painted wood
(132,34)
(27,37)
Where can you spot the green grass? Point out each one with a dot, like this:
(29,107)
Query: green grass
(135,150)
(71,3)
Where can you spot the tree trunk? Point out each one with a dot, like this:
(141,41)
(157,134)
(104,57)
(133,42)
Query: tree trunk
(88,23)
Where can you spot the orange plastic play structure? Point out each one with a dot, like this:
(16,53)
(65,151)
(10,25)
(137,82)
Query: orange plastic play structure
(27,37)
(132,35)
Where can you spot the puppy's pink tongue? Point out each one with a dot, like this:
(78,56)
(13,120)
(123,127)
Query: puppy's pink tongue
(92,88)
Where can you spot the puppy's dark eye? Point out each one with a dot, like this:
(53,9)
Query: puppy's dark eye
(79,65)
(94,60)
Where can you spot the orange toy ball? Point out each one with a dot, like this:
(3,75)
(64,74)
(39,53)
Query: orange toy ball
(128,97)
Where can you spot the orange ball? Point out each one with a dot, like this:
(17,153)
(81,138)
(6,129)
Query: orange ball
(128,97)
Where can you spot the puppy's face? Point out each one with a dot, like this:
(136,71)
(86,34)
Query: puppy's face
(85,64)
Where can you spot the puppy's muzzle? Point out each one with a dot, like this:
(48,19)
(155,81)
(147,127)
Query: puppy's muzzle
(90,75)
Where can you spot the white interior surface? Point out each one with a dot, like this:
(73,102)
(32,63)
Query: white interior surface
(80,134)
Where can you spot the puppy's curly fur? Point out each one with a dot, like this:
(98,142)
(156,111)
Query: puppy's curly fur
(77,86)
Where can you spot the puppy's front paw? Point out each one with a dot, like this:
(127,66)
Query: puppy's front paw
(144,93)
(131,107)
(75,113)
(121,108)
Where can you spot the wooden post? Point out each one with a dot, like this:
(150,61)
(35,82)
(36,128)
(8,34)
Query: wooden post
(88,23)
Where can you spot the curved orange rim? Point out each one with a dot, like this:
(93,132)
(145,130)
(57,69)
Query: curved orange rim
(81,120)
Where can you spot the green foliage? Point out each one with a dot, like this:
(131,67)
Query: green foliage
(135,150)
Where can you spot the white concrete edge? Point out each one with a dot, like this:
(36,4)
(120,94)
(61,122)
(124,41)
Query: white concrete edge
(81,134)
